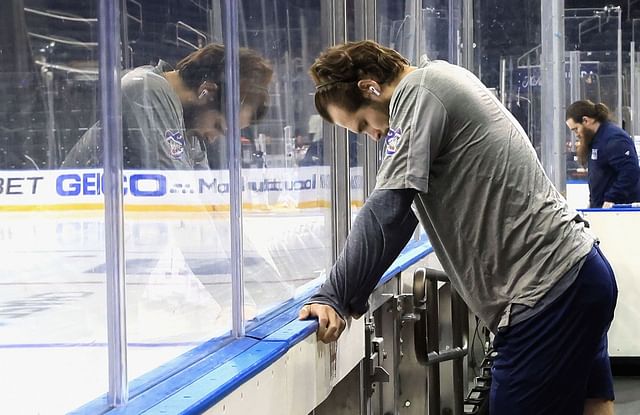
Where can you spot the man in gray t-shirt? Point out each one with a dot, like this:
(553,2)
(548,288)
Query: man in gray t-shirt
(448,136)
(170,116)
(154,134)
(457,159)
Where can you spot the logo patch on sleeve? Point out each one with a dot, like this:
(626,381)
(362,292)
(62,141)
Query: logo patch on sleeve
(594,154)
(176,143)
(392,141)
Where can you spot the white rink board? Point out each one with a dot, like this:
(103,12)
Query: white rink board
(619,232)
(578,195)
(301,379)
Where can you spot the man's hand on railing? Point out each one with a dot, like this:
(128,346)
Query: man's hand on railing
(330,324)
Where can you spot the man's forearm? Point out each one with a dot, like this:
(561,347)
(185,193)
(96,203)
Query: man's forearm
(382,228)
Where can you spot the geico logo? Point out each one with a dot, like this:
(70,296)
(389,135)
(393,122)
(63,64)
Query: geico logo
(92,184)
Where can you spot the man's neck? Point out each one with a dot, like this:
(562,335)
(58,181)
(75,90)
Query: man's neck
(185,94)
(391,86)
(596,127)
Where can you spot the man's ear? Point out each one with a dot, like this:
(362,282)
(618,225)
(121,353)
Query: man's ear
(370,89)
(207,90)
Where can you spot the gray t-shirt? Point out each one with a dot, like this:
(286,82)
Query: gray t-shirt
(498,226)
(153,129)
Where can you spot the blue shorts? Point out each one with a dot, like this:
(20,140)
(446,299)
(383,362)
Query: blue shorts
(550,363)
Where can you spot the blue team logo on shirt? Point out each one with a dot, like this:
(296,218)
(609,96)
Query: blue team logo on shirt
(393,141)
(176,143)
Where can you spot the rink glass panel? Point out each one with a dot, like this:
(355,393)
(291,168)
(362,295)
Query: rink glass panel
(591,43)
(177,229)
(419,28)
(53,300)
(507,60)
(287,202)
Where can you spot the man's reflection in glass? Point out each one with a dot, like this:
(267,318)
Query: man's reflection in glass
(172,118)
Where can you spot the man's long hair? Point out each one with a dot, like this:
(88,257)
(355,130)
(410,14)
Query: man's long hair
(207,64)
(585,108)
(337,70)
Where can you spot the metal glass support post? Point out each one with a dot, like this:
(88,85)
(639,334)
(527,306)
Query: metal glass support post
(553,86)
(365,19)
(416,9)
(467,34)
(124,30)
(454,31)
(575,79)
(232,101)
(214,22)
(365,23)
(574,73)
(619,9)
(338,143)
(111,103)
(52,144)
(503,81)
(632,87)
